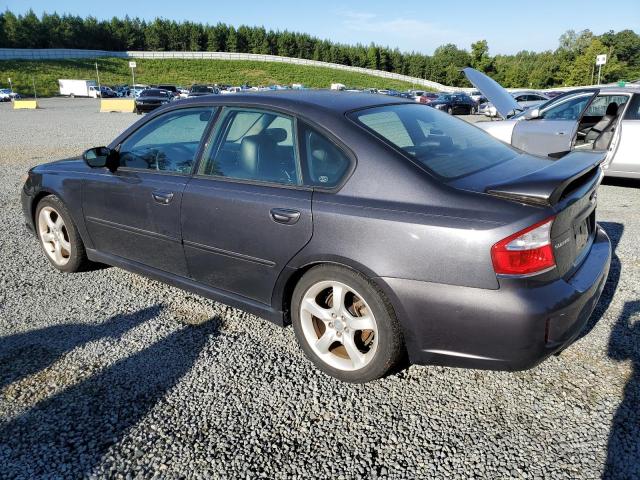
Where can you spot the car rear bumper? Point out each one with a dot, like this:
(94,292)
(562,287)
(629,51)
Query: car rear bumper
(512,328)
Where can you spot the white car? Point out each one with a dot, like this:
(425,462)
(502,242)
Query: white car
(601,119)
(136,89)
(525,99)
(6,95)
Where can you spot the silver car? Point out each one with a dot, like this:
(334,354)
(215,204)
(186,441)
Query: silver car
(603,119)
(525,99)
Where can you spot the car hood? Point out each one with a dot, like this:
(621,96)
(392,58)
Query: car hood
(503,101)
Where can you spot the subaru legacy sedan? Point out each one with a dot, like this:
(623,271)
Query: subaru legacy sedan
(381,229)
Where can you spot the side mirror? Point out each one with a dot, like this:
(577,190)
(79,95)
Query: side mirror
(532,113)
(98,157)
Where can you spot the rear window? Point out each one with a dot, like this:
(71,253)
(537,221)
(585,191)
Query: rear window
(447,147)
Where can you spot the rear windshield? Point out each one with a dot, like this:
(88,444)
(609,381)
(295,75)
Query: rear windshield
(446,146)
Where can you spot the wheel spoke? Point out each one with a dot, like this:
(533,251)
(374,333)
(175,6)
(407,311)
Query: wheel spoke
(66,245)
(361,323)
(59,223)
(316,310)
(50,223)
(57,252)
(338,298)
(48,237)
(355,355)
(325,341)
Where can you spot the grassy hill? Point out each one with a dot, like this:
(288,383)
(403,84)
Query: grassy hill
(182,72)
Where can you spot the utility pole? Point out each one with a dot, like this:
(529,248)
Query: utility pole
(35,95)
(98,75)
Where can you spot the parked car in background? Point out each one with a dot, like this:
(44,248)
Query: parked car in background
(183,92)
(200,90)
(215,195)
(231,90)
(427,97)
(454,103)
(169,88)
(6,95)
(152,98)
(136,89)
(122,90)
(107,92)
(525,99)
(476,96)
(606,120)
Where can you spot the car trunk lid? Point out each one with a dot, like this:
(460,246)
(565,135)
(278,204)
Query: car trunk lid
(505,104)
(566,187)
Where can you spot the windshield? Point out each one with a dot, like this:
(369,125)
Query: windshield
(448,147)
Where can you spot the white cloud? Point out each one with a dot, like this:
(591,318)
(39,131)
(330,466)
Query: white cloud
(405,33)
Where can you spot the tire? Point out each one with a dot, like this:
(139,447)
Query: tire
(474,110)
(73,256)
(450,111)
(380,349)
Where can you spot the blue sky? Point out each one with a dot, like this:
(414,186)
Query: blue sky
(508,26)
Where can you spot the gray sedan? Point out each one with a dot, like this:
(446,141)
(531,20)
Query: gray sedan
(604,119)
(379,228)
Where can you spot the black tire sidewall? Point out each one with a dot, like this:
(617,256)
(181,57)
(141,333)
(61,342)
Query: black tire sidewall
(390,343)
(77,255)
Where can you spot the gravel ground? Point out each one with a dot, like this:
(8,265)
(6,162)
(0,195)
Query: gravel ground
(108,374)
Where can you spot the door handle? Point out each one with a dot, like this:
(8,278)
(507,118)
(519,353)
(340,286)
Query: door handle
(163,198)
(560,133)
(285,215)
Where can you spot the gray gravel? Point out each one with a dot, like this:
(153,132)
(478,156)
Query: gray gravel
(108,374)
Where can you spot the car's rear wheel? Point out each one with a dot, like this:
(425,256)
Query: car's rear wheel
(450,111)
(59,236)
(344,325)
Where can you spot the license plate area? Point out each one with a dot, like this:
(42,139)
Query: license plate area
(583,230)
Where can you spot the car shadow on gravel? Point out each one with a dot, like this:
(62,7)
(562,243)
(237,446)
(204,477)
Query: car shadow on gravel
(24,354)
(623,451)
(615,231)
(69,434)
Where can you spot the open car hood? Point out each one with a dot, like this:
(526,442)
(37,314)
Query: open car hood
(503,101)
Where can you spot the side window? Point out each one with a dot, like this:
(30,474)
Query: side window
(633,112)
(566,108)
(253,145)
(598,107)
(168,143)
(326,164)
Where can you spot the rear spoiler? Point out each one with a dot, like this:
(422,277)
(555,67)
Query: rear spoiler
(552,183)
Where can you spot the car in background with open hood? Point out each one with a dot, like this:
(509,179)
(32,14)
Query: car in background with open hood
(602,119)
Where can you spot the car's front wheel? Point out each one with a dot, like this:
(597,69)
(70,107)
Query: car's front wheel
(450,111)
(344,325)
(59,236)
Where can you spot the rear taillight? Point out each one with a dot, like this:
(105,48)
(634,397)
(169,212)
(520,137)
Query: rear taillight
(526,252)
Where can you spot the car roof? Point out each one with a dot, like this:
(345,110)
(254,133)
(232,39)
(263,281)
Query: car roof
(305,101)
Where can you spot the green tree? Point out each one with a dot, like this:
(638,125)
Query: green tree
(480,59)
(373,57)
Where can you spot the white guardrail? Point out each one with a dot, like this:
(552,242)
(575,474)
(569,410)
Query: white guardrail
(66,53)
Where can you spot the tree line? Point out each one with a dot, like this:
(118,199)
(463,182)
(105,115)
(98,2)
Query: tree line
(572,63)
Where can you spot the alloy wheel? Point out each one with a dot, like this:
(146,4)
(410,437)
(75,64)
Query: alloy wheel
(54,235)
(338,325)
